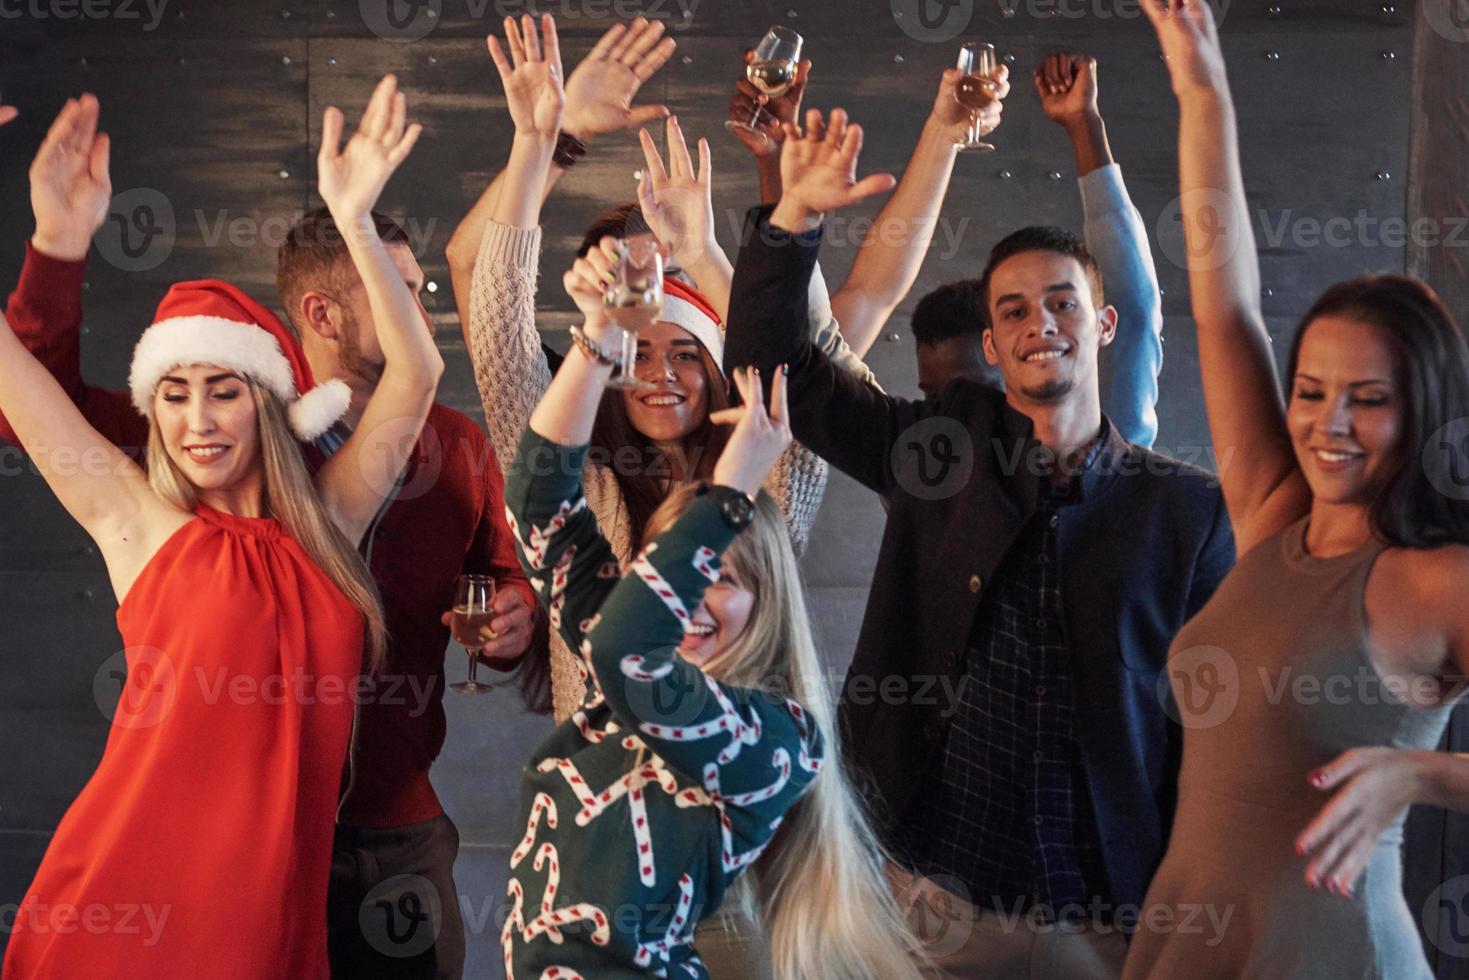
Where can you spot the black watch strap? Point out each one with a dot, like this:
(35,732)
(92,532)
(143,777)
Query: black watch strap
(735,506)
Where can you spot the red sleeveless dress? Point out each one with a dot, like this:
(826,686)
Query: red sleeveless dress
(202,844)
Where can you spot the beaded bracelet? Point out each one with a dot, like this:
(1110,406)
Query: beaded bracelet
(591,348)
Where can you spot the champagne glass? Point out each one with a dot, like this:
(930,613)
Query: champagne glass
(978,63)
(634,300)
(772,71)
(474,608)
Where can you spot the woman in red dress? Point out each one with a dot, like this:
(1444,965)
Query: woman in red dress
(201,846)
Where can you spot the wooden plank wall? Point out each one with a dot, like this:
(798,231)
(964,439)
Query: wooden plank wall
(214,109)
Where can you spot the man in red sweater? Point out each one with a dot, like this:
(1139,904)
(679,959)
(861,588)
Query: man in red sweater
(446,518)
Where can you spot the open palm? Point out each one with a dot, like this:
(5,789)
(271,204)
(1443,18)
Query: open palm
(531,75)
(70,184)
(818,169)
(677,202)
(350,179)
(601,88)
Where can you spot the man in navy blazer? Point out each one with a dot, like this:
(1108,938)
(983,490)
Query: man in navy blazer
(1007,705)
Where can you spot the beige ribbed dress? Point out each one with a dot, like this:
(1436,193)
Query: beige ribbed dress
(1273,679)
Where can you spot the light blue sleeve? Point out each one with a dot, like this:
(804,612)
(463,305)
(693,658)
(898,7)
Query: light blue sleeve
(1118,238)
(826,333)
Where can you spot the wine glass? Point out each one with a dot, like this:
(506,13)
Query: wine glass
(978,63)
(474,608)
(772,70)
(634,300)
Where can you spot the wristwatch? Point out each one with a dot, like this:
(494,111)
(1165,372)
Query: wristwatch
(735,506)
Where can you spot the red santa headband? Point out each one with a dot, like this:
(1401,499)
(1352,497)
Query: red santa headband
(684,306)
(208,321)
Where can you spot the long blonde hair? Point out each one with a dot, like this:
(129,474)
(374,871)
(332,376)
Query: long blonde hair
(289,495)
(820,890)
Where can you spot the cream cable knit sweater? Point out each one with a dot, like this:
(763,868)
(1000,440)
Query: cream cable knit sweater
(511,373)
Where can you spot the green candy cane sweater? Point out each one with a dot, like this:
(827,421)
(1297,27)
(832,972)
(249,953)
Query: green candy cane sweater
(642,807)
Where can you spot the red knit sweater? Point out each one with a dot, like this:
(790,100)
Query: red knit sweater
(448,519)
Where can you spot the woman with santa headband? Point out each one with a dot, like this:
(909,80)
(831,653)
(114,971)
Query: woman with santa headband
(246,612)
(646,442)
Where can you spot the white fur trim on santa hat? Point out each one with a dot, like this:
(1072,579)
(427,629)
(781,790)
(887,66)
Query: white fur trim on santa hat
(680,312)
(240,347)
(314,412)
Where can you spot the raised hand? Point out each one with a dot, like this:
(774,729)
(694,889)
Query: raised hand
(1190,44)
(949,113)
(350,179)
(774,112)
(818,170)
(678,203)
(531,75)
(587,280)
(1067,85)
(601,88)
(759,436)
(70,186)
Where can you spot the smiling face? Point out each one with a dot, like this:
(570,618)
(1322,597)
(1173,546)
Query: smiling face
(208,421)
(672,360)
(719,620)
(1346,413)
(1045,329)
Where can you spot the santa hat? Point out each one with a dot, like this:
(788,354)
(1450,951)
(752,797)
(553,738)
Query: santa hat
(208,321)
(684,306)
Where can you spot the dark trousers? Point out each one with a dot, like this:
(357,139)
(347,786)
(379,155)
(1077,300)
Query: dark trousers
(392,909)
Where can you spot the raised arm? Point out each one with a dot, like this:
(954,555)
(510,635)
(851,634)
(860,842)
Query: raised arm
(70,190)
(887,264)
(1263,488)
(357,480)
(598,101)
(1117,236)
(498,307)
(678,205)
(850,423)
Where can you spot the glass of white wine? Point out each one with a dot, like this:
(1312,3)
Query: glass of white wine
(772,70)
(978,63)
(634,300)
(474,608)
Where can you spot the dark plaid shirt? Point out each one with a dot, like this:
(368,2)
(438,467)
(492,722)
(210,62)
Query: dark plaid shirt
(1005,814)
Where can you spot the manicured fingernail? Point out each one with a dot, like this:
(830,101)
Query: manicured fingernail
(785,369)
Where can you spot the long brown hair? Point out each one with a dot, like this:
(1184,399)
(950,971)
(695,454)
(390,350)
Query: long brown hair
(289,495)
(645,477)
(1425,501)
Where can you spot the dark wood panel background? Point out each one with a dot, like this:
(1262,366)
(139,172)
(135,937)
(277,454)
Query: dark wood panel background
(214,109)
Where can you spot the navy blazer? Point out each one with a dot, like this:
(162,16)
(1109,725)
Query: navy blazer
(1140,553)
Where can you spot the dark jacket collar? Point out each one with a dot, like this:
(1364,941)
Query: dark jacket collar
(1016,429)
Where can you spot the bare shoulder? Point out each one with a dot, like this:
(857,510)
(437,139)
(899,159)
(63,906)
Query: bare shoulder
(1416,614)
